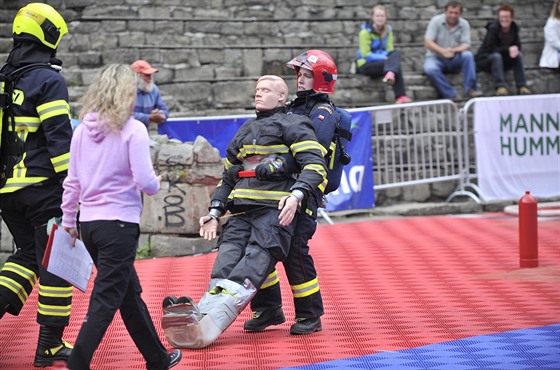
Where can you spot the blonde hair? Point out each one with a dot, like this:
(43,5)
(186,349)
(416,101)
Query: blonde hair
(554,12)
(278,84)
(112,96)
(380,7)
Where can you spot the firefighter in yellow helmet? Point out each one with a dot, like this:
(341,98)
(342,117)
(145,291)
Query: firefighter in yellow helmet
(34,158)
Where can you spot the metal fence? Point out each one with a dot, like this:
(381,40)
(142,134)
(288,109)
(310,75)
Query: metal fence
(418,143)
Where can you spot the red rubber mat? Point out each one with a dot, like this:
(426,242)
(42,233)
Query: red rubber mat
(387,285)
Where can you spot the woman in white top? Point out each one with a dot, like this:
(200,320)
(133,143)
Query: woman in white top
(551,53)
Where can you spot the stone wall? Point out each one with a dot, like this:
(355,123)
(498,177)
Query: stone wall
(211,52)
(169,224)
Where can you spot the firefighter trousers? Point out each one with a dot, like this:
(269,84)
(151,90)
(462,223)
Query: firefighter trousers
(26,213)
(301,274)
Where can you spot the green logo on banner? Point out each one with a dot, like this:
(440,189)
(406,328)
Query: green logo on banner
(530,134)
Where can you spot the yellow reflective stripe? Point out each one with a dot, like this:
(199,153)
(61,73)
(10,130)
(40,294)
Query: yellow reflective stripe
(305,289)
(15,287)
(322,186)
(271,280)
(317,168)
(22,271)
(259,194)
(250,149)
(333,155)
(23,123)
(228,164)
(308,145)
(61,163)
(19,169)
(53,108)
(14,184)
(50,310)
(55,291)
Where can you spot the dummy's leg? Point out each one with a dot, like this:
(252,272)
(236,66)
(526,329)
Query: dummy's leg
(229,296)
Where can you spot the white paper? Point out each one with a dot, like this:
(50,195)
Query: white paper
(70,262)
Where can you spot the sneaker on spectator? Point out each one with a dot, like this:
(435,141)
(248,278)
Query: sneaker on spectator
(403,99)
(501,91)
(474,93)
(524,90)
(389,78)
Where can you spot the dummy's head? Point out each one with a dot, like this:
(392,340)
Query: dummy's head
(271,92)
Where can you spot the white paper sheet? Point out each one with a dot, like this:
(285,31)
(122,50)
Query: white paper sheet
(70,262)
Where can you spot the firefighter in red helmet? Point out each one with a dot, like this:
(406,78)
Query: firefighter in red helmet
(316,76)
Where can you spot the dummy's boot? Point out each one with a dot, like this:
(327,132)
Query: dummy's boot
(265,318)
(51,346)
(217,310)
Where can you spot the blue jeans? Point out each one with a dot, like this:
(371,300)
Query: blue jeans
(435,67)
(496,64)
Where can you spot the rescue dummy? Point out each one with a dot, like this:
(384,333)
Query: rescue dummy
(260,225)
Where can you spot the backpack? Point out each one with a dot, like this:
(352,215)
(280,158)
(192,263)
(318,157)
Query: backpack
(12,145)
(342,136)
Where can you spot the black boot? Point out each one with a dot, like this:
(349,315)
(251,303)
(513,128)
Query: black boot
(51,346)
(263,319)
(306,326)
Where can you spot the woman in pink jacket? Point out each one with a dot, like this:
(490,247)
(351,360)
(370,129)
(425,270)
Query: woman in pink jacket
(110,166)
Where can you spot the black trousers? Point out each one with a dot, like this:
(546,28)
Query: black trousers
(250,245)
(112,245)
(26,213)
(301,274)
(378,68)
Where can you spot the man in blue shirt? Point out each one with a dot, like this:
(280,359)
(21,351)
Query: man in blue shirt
(149,104)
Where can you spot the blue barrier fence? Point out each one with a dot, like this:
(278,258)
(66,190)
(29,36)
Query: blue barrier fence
(356,188)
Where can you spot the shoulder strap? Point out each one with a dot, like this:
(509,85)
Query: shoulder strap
(10,81)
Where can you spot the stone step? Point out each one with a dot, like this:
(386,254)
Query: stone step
(235,96)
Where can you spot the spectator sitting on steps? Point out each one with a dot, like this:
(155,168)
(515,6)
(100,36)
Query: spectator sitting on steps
(501,50)
(550,57)
(448,40)
(377,56)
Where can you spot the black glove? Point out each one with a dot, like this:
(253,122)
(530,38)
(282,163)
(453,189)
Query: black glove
(270,166)
(233,172)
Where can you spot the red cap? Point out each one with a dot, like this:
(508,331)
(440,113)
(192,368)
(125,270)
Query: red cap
(141,66)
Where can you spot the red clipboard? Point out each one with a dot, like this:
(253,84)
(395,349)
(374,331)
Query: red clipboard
(47,255)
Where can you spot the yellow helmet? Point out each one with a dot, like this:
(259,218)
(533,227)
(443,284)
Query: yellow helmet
(41,21)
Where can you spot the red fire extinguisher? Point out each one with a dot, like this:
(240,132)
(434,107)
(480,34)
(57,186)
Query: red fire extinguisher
(528,235)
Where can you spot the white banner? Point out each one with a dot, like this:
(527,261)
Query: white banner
(518,146)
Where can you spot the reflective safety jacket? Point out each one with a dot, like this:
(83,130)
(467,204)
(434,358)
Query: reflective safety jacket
(35,145)
(272,132)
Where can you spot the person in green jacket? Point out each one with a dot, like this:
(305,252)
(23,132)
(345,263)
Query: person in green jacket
(377,56)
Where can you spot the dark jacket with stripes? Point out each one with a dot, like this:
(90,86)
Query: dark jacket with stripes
(42,125)
(273,132)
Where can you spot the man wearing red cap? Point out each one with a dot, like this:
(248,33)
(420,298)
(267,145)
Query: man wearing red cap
(149,104)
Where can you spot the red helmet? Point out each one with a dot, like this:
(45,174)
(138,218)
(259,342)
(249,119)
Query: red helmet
(323,67)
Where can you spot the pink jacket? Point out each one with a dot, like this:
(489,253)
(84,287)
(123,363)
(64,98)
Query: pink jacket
(108,171)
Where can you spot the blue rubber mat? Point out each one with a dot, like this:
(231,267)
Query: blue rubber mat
(524,349)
